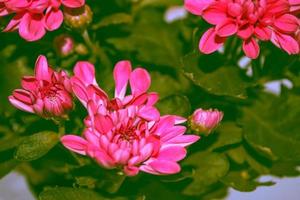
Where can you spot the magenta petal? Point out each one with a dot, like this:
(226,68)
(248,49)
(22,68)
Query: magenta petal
(31,27)
(216,13)
(74,143)
(73,3)
(20,105)
(196,7)
(210,41)
(139,81)
(263,33)
(14,23)
(287,23)
(122,72)
(42,70)
(103,123)
(53,19)
(184,140)
(251,48)
(85,72)
(227,28)
(165,167)
(172,153)
(286,42)
(29,83)
(149,113)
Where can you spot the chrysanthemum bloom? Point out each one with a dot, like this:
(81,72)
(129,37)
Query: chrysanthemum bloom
(34,17)
(204,121)
(127,132)
(48,93)
(250,20)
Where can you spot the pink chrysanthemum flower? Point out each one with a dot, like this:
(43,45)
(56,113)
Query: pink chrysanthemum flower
(48,93)
(127,132)
(34,17)
(250,20)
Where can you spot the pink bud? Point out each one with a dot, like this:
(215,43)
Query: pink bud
(204,121)
(63,45)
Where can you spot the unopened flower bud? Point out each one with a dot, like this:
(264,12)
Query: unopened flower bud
(204,121)
(64,45)
(78,18)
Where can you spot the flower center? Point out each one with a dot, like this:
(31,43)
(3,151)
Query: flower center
(127,134)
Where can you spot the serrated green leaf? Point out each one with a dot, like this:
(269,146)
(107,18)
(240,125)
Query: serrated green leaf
(223,81)
(271,126)
(36,146)
(208,169)
(175,105)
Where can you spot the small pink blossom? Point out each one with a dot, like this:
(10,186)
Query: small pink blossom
(204,121)
(127,131)
(266,20)
(34,17)
(64,45)
(48,93)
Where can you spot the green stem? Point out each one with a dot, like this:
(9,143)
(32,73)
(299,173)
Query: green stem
(96,49)
(61,129)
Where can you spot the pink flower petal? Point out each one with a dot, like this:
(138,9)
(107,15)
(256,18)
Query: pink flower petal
(226,28)
(74,143)
(122,72)
(29,83)
(245,31)
(139,81)
(42,70)
(103,123)
(53,19)
(196,7)
(184,140)
(31,27)
(85,72)
(251,48)
(14,23)
(210,41)
(287,23)
(165,167)
(172,153)
(20,105)
(216,13)
(263,33)
(286,42)
(149,113)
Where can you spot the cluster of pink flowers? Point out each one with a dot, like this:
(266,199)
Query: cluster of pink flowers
(33,17)
(48,93)
(127,131)
(250,20)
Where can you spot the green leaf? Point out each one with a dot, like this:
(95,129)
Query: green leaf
(208,169)
(64,193)
(227,133)
(151,40)
(36,146)
(223,81)
(7,166)
(271,126)
(242,181)
(145,3)
(115,19)
(175,105)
